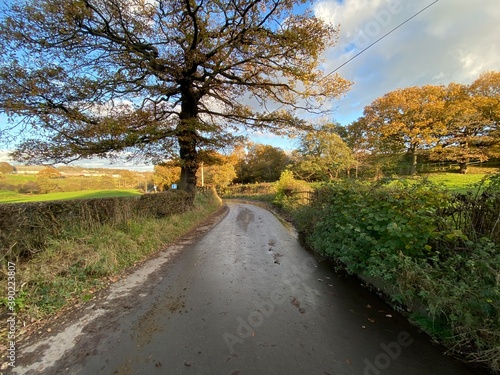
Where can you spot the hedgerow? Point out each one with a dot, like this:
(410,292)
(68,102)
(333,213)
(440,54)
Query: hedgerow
(438,250)
(25,228)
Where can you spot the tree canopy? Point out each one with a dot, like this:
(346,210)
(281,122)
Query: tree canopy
(411,118)
(261,163)
(323,154)
(455,123)
(6,167)
(158,78)
(470,133)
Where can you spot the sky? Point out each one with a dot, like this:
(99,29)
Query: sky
(451,41)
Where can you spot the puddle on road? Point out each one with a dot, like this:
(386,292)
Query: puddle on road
(244,218)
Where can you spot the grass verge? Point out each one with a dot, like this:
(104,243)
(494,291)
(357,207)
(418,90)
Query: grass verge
(78,263)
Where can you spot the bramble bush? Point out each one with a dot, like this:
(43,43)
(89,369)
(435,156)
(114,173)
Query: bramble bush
(368,227)
(440,250)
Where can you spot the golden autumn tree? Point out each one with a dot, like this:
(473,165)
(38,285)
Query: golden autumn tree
(486,93)
(159,78)
(166,174)
(219,175)
(217,169)
(472,123)
(411,118)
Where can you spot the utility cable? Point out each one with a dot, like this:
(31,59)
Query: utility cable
(379,39)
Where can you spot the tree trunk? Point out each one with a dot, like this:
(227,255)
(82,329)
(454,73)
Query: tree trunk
(413,153)
(463,167)
(189,166)
(188,138)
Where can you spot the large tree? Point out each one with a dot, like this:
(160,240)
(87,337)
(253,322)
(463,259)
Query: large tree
(262,163)
(157,77)
(323,154)
(412,118)
(471,129)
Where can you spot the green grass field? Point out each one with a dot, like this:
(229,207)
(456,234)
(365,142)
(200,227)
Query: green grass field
(16,179)
(456,182)
(13,197)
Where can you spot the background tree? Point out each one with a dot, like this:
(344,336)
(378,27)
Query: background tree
(6,168)
(218,169)
(411,118)
(486,93)
(166,174)
(469,135)
(220,175)
(49,172)
(100,77)
(262,163)
(128,179)
(323,154)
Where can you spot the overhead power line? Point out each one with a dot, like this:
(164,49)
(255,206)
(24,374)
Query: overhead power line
(379,39)
(375,42)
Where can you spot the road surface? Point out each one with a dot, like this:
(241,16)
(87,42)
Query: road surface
(243,299)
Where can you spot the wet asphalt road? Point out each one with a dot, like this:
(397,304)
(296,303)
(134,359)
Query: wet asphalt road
(247,299)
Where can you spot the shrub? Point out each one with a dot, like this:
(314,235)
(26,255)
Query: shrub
(462,294)
(477,213)
(291,193)
(30,187)
(245,189)
(368,228)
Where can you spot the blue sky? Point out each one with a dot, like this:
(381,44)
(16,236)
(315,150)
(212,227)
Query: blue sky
(452,41)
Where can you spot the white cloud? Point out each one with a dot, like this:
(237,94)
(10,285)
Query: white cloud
(452,41)
(4,156)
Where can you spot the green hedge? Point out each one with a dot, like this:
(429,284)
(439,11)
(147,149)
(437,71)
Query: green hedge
(438,250)
(25,227)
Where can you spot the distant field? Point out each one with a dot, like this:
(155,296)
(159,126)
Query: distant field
(13,197)
(456,182)
(16,179)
